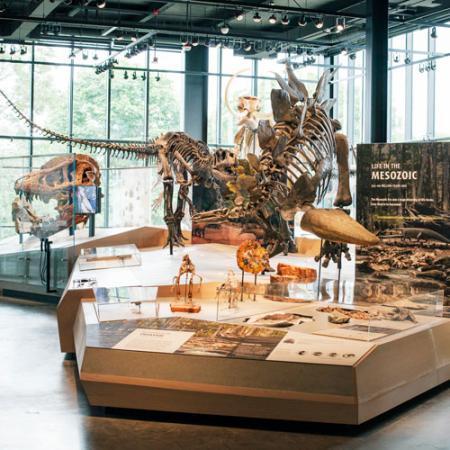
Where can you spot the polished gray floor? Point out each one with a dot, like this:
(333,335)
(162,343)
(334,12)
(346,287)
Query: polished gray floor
(43,407)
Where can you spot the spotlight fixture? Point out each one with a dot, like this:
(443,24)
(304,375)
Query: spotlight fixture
(318,23)
(247,46)
(421,68)
(85,55)
(187,47)
(299,51)
(184,40)
(257,18)
(143,76)
(2,7)
(72,54)
(23,50)
(285,20)
(95,57)
(340,24)
(155,60)
(125,75)
(433,33)
(101,4)
(273,19)
(302,22)
(111,74)
(407,59)
(12,50)
(224,29)
(352,56)
(195,41)
(134,76)
(2,49)
(396,58)
(344,52)
(157,78)
(240,16)
(134,38)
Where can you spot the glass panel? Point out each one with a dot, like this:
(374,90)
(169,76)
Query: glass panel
(398,105)
(15,81)
(46,147)
(358,99)
(51,104)
(127,107)
(90,103)
(166,103)
(166,60)
(232,64)
(213,87)
(420,104)
(442,128)
(342,91)
(52,54)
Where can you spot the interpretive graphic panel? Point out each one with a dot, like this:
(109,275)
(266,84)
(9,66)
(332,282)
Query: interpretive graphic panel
(403,196)
(148,340)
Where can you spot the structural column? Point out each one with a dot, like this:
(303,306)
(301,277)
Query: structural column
(196,93)
(377,70)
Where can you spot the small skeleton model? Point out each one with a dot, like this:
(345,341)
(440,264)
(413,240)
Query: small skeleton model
(294,170)
(187,268)
(230,288)
(55,180)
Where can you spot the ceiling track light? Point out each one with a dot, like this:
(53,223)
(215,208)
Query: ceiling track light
(303,21)
(273,19)
(318,23)
(285,20)
(257,18)
(195,41)
(224,29)
(240,16)
(247,46)
(101,4)
(187,47)
(340,24)
(433,33)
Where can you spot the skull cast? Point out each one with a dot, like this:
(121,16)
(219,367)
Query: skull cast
(55,180)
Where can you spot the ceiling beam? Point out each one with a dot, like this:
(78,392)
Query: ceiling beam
(44,9)
(133,27)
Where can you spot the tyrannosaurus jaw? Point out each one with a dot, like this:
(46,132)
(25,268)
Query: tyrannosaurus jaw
(337,226)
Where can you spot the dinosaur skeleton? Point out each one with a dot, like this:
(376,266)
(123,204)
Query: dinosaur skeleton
(181,159)
(294,171)
(55,180)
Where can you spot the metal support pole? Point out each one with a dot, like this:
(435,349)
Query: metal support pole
(377,69)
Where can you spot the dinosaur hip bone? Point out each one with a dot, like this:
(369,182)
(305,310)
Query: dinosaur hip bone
(337,226)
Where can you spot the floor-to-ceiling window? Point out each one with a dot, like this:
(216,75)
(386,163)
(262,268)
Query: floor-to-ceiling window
(57,87)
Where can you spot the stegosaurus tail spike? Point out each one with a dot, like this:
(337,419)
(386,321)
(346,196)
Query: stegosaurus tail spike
(141,151)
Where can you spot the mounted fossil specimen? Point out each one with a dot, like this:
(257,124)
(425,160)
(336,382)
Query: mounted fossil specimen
(181,159)
(294,171)
(187,269)
(56,180)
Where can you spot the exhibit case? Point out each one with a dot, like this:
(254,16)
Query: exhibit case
(57,204)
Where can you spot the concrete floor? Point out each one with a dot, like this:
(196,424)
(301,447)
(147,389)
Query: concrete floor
(43,407)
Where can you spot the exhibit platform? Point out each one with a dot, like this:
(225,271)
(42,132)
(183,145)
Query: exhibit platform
(258,357)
